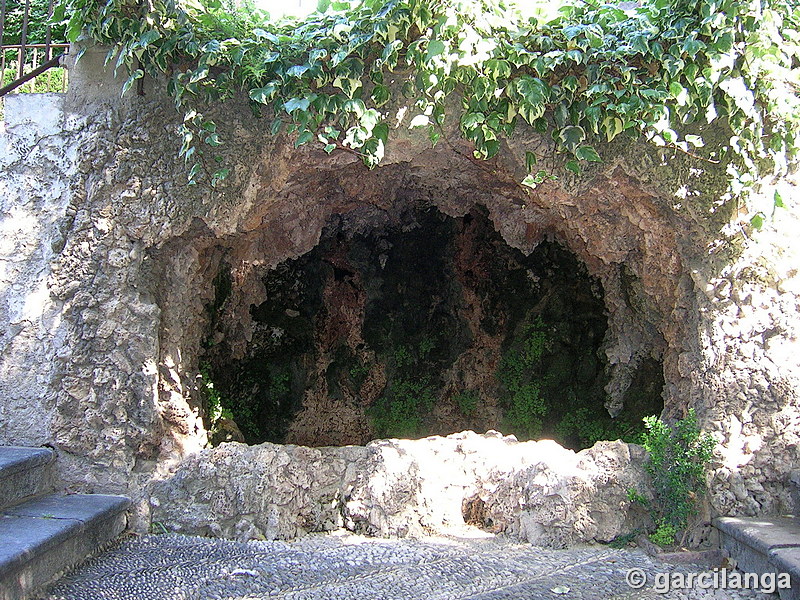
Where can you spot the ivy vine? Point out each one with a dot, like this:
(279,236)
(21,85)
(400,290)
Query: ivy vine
(660,69)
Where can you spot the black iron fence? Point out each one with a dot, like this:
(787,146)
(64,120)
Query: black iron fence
(31,47)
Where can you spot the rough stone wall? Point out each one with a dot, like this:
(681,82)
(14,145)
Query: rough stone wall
(536,491)
(743,374)
(107,260)
(38,161)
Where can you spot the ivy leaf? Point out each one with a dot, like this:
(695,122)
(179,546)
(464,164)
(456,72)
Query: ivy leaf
(369,119)
(213,140)
(194,172)
(297,70)
(695,140)
(692,46)
(148,37)
(348,85)
(304,138)
(570,136)
(419,121)
(381,131)
(529,181)
(264,94)
(199,74)
(219,175)
(380,95)
(472,120)
(570,83)
(355,106)
(757,221)
(778,200)
(498,68)
(613,127)
(435,48)
(296,104)
(316,55)
(533,89)
(530,161)
(594,36)
(588,153)
(491,148)
(573,166)
(137,74)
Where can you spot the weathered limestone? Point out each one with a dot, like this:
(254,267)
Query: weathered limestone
(107,261)
(536,490)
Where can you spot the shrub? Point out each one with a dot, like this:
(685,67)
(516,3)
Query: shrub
(678,457)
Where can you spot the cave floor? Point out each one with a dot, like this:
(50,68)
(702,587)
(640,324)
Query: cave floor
(345,566)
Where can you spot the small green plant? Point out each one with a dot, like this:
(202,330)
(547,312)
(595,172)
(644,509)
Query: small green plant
(524,416)
(467,402)
(678,456)
(358,374)
(214,408)
(158,528)
(588,427)
(403,358)
(523,355)
(426,344)
(622,541)
(664,535)
(526,406)
(399,413)
(634,496)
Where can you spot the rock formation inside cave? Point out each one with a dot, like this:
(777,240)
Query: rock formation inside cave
(428,325)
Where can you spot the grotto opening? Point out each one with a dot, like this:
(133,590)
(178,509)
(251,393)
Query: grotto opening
(426,325)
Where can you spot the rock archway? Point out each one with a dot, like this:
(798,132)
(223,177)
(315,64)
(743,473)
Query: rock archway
(312,311)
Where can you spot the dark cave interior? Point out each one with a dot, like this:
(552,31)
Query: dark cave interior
(430,325)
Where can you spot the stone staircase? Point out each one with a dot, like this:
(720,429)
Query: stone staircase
(764,545)
(43,533)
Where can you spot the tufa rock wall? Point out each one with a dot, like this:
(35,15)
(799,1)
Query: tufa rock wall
(537,491)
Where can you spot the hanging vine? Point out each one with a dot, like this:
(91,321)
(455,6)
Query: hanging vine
(592,73)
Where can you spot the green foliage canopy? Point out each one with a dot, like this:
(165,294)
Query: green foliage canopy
(594,72)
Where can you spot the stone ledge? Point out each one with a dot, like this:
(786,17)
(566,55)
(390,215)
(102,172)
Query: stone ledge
(764,545)
(24,473)
(42,538)
(14,459)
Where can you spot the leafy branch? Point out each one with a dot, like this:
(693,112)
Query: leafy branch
(585,77)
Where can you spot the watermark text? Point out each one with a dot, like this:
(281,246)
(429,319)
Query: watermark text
(717,579)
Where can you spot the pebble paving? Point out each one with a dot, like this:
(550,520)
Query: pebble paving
(349,567)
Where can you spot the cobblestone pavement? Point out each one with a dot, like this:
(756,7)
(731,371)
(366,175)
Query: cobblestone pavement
(344,566)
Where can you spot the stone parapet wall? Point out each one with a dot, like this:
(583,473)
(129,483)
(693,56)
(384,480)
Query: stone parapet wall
(535,491)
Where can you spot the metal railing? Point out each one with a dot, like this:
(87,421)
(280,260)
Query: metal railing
(29,47)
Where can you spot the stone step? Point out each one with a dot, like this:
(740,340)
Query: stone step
(764,545)
(24,473)
(41,538)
